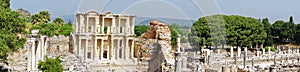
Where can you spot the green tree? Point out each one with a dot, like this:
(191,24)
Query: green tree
(41,17)
(10,25)
(140,29)
(174,35)
(59,21)
(281,31)
(45,16)
(200,35)
(66,29)
(48,29)
(233,30)
(50,65)
(35,19)
(183,33)
(4,4)
(297,34)
(267,28)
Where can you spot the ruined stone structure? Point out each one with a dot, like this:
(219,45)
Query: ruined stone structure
(36,48)
(105,41)
(155,47)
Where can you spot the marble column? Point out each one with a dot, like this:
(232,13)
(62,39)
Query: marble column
(289,50)
(101,50)
(263,51)
(79,48)
(246,51)
(231,52)
(118,49)
(219,52)
(269,51)
(238,51)
(33,57)
(30,44)
(126,49)
(112,48)
(178,62)
(96,49)
(132,49)
(102,29)
(86,49)
(257,53)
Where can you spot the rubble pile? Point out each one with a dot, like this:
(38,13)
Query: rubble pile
(18,61)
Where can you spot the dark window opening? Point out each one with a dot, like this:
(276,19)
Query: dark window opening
(105,54)
(89,55)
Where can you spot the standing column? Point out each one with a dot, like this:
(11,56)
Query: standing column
(126,49)
(101,50)
(245,50)
(42,47)
(231,51)
(132,49)
(112,49)
(102,29)
(118,49)
(269,50)
(239,51)
(257,52)
(86,48)
(96,49)
(79,49)
(263,51)
(289,50)
(29,45)
(33,64)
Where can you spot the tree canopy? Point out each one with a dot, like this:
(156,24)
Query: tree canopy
(140,29)
(58,21)
(51,29)
(233,30)
(50,65)
(11,24)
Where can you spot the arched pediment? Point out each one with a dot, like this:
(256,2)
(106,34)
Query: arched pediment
(92,12)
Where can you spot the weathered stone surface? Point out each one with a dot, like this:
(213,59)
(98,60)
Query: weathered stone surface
(58,46)
(156,47)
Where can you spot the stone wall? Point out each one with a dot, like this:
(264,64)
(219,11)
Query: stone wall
(57,46)
(156,47)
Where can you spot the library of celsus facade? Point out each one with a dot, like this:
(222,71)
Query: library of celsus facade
(105,41)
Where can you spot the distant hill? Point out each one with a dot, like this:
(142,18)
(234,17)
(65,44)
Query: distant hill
(143,20)
(146,21)
(66,18)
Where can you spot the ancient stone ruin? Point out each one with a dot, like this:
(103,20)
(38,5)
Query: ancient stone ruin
(156,47)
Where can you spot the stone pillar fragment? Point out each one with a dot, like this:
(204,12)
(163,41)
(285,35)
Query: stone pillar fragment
(263,51)
(269,51)
(238,51)
(231,52)
(289,50)
(246,51)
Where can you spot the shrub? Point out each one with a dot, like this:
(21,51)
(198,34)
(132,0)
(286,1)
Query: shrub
(272,48)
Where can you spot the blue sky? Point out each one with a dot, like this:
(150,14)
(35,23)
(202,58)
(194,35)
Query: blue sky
(181,9)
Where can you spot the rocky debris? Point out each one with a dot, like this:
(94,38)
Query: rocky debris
(156,47)
(18,60)
(59,46)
